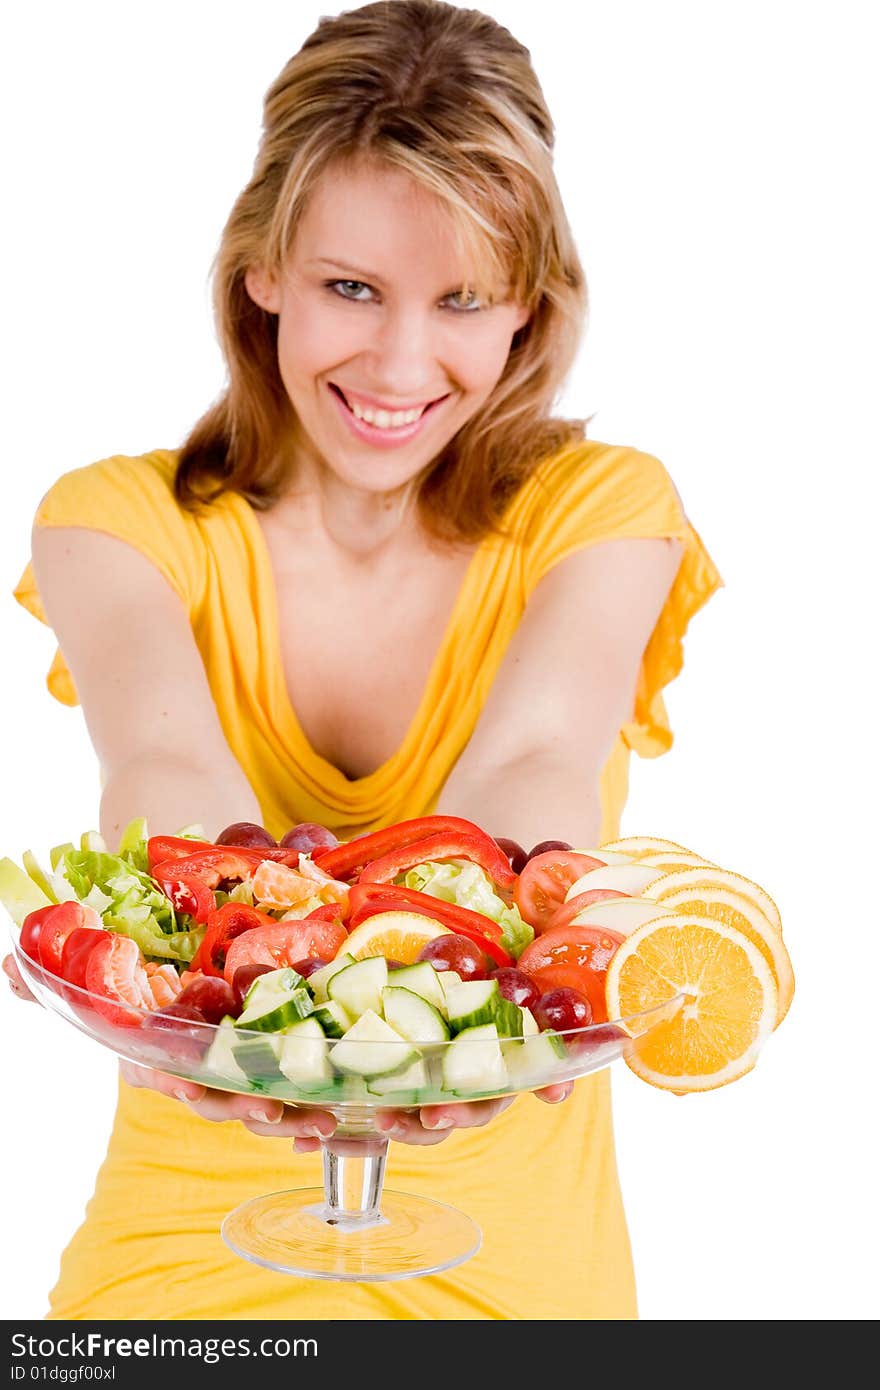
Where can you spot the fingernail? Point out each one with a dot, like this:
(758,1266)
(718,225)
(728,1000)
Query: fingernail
(181,1095)
(313,1132)
(444,1122)
(264,1117)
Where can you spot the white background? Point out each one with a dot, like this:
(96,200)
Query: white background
(716,162)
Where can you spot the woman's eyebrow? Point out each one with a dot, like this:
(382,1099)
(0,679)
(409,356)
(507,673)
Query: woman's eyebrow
(351,270)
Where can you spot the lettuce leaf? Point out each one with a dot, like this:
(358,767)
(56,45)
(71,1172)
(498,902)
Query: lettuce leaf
(129,902)
(459,881)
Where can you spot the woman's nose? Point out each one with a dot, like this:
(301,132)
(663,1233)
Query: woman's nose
(404,353)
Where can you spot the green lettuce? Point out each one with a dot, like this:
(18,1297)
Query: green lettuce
(129,902)
(459,881)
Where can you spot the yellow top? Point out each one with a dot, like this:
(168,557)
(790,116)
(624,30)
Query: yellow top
(541,1180)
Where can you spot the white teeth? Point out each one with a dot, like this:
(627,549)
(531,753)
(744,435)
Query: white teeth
(386,419)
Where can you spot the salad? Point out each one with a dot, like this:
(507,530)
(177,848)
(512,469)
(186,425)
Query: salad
(404,964)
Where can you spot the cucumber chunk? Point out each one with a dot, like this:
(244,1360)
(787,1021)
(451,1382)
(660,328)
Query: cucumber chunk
(304,1055)
(333,1018)
(474,1063)
(320,979)
(220,1059)
(475,1002)
(372,1048)
(534,1060)
(358,988)
(421,979)
(274,1001)
(412,1016)
(402,1087)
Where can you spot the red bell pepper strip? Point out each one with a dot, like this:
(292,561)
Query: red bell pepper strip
(367,895)
(163,847)
(487,944)
(185,891)
(224,925)
(479,849)
(341,861)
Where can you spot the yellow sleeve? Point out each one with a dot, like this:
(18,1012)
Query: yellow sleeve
(597,492)
(132,499)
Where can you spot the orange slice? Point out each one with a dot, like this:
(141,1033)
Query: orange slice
(730,1001)
(738,911)
(395,935)
(715,878)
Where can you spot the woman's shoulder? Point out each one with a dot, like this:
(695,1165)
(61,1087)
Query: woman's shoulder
(132,498)
(110,487)
(597,491)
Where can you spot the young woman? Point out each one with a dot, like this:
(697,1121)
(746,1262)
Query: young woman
(379,579)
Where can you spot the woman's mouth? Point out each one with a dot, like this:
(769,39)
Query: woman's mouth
(386,428)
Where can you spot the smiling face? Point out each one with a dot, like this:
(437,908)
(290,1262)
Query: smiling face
(381,357)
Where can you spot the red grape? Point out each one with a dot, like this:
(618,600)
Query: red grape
(211,995)
(516,986)
(514,851)
(451,952)
(245,834)
(304,967)
(308,836)
(546,845)
(175,1029)
(244,978)
(562,1009)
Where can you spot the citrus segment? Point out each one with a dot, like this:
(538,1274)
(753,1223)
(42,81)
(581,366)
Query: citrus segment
(738,911)
(730,1001)
(715,878)
(395,935)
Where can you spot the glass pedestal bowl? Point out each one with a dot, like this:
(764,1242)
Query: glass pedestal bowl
(352,1228)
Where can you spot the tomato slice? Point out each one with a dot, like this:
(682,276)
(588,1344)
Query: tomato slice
(284,943)
(115,976)
(568,911)
(573,957)
(57,926)
(76,951)
(541,887)
(29,936)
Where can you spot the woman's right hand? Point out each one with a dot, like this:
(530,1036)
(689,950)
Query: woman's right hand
(16,983)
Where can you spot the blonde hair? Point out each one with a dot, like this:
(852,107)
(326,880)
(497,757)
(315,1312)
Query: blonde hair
(449,97)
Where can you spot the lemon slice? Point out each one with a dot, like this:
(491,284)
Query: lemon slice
(395,935)
(695,877)
(731,1002)
(738,911)
(637,845)
(668,860)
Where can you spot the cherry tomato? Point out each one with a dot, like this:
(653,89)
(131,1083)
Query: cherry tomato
(573,957)
(541,887)
(285,943)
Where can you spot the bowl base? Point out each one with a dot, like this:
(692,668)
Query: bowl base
(297,1233)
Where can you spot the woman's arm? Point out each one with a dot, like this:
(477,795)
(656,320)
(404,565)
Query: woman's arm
(567,684)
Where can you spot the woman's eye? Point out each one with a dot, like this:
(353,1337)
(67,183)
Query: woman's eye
(349,289)
(465,303)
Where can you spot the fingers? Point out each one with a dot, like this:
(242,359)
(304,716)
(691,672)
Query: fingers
(554,1094)
(434,1123)
(260,1114)
(16,983)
